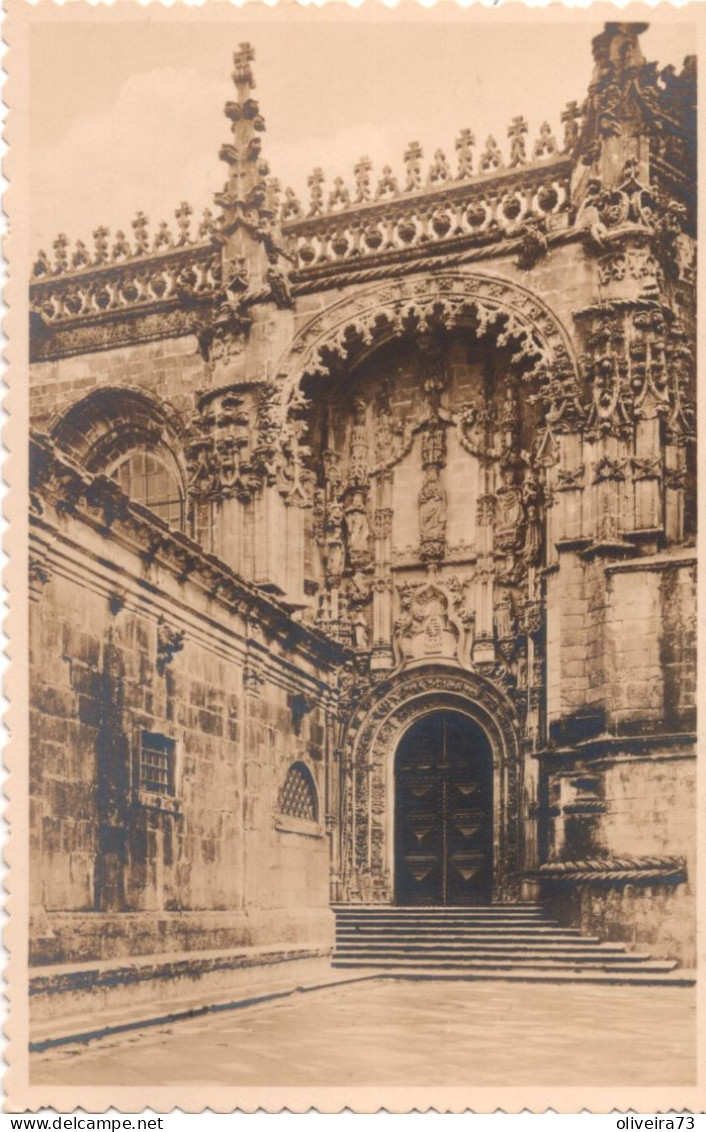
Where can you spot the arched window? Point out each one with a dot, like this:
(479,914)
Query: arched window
(147,479)
(129,435)
(297,798)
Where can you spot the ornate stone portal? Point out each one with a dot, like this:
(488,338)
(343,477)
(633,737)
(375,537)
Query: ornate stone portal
(377,724)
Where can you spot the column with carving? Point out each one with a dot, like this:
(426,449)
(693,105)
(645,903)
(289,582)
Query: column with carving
(381,656)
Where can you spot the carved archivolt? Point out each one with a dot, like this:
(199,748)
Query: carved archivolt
(511,313)
(370,742)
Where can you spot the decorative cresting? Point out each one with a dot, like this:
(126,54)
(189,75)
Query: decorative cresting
(495,205)
(513,316)
(370,741)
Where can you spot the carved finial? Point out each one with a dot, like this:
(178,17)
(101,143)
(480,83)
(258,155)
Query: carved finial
(291,208)
(163,237)
(42,265)
(121,247)
(545,144)
(439,170)
(362,180)
(387,185)
(80,258)
(516,131)
(207,226)
(142,240)
(183,219)
(315,181)
(339,194)
(464,144)
(242,75)
(491,157)
(413,164)
(618,47)
(571,117)
(100,245)
(61,254)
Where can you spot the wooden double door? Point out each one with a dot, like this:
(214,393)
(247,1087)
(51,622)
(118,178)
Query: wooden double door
(444,813)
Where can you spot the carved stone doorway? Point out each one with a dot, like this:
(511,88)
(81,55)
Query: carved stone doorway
(443,812)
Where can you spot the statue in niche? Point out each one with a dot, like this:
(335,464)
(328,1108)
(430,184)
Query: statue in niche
(332,472)
(357,529)
(532,548)
(508,511)
(359,625)
(504,619)
(432,515)
(334,540)
(358,468)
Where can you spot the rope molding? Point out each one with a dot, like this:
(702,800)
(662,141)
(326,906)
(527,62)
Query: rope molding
(301,285)
(617,870)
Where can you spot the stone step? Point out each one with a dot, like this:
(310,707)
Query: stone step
(365,955)
(463,936)
(678,978)
(451,914)
(455,918)
(441,909)
(500,941)
(570,947)
(419,922)
(492,940)
(646,966)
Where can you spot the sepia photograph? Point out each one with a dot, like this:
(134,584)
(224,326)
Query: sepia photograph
(353,558)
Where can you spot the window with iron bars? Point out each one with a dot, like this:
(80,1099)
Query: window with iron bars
(297,797)
(157,756)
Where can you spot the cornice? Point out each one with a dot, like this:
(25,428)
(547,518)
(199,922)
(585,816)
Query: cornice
(100,503)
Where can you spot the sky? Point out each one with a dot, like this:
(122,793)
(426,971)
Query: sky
(129,115)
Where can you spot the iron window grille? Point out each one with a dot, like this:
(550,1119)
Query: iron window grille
(157,757)
(297,797)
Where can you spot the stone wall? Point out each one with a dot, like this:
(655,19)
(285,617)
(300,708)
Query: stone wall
(122,647)
(623,807)
(621,645)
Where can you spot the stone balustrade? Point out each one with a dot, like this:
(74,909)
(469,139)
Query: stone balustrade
(487,208)
(187,273)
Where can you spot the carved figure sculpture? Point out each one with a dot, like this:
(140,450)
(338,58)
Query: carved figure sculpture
(357,529)
(508,512)
(360,630)
(533,533)
(358,469)
(432,515)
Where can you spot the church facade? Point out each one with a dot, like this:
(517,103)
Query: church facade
(362,542)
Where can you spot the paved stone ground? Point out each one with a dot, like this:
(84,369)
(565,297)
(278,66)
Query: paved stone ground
(389,1032)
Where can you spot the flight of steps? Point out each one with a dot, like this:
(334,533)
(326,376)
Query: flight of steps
(501,941)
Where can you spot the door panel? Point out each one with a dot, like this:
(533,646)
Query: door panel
(443,813)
